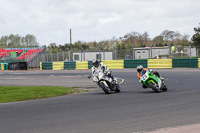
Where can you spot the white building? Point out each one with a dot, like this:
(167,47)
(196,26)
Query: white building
(89,56)
(145,53)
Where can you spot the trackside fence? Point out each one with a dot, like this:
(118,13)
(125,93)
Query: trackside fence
(121,64)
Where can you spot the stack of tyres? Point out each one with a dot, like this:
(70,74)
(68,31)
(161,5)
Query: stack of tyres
(4,66)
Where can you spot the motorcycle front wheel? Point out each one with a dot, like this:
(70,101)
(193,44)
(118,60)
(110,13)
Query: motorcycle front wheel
(105,88)
(153,87)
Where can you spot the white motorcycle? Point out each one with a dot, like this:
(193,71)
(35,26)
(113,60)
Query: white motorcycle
(106,82)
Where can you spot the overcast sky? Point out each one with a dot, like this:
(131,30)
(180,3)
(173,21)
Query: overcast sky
(94,20)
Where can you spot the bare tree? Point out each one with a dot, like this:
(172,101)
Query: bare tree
(168,36)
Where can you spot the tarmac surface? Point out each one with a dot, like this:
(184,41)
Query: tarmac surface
(133,110)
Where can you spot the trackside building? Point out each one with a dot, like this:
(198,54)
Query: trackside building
(89,56)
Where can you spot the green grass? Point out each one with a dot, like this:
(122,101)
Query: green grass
(22,93)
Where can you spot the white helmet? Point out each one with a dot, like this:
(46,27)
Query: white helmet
(96,63)
(139,68)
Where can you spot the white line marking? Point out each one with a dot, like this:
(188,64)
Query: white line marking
(122,80)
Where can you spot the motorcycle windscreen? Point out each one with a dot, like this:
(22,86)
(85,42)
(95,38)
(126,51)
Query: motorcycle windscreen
(143,72)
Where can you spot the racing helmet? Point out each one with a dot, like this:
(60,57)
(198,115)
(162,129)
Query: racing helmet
(96,63)
(139,68)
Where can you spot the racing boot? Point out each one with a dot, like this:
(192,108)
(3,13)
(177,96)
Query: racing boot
(163,82)
(162,79)
(114,81)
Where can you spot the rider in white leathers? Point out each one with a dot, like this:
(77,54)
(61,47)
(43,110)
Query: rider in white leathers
(98,67)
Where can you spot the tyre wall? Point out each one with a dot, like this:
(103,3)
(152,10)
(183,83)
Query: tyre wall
(185,63)
(4,66)
(121,64)
(135,63)
(159,63)
(199,62)
(114,64)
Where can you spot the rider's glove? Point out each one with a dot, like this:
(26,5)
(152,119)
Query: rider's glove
(150,70)
(103,68)
(95,79)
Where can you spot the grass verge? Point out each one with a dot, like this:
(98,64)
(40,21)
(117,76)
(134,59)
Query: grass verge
(22,93)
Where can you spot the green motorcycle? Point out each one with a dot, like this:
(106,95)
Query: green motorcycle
(152,81)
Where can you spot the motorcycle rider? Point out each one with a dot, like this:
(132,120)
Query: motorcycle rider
(100,66)
(140,68)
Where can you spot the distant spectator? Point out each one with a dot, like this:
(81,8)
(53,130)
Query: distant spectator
(173,49)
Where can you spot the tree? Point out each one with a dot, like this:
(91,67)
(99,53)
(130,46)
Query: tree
(185,40)
(18,41)
(30,40)
(4,41)
(181,40)
(95,45)
(158,41)
(122,46)
(146,36)
(85,46)
(168,36)
(145,39)
(118,46)
(196,36)
(135,38)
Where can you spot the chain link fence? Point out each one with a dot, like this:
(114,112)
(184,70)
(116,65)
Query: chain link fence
(158,52)
(116,54)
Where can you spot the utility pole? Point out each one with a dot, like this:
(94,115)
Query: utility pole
(170,49)
(190,50)
(133,52)
(70,36)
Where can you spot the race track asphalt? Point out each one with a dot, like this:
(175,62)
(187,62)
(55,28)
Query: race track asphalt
(133,110)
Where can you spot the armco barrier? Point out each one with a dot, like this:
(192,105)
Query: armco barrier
(114,64)
(159,63)
(70,65)
(58,65)
(135,63)
(82,65)
(185,63)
